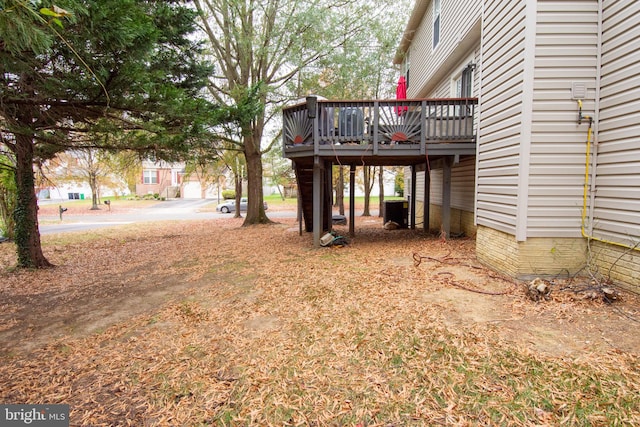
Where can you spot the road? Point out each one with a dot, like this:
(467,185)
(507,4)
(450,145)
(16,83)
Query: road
(179,209)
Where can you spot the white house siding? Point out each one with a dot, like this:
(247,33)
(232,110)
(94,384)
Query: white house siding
(565,52)
(459,20)
(503,56)
(616,213)
(445,88)
(462,188)
(462,173)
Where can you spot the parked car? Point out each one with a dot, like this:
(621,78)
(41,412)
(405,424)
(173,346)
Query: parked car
(230,206)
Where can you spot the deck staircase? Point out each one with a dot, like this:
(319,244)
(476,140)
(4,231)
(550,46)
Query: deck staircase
(304,175)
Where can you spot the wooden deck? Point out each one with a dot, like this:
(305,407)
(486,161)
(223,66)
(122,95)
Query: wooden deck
(412,132)
(384,132)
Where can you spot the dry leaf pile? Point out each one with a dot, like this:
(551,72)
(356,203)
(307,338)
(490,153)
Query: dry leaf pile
(210,323)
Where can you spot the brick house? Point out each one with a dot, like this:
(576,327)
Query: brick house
(160,178)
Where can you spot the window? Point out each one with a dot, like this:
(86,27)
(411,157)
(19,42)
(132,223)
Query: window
(464,82)
(405,66)
(436,23)
(463,86)
(150,177)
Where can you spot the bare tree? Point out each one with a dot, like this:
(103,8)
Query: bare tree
(89,165)
(206,167)
(259,47)
(368,180)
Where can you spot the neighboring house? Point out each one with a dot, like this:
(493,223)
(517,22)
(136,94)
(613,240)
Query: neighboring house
(160,178)
(70,172)
(169,180)
(193,188)
(523,194)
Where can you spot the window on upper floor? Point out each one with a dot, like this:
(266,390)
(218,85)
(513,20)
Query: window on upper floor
(150,177)
(405,66)
(436,23)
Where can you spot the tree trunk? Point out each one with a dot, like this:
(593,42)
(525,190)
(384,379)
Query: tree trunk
(28,246)
(280,192)
(203,190)
(368,184)
(253,156)
(238,189)
(94,192)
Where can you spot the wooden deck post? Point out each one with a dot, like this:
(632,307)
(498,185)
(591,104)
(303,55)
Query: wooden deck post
(317,201)
(427,198)
(298,199)
(327,196)
(413,197)
(446,196)
(352,200)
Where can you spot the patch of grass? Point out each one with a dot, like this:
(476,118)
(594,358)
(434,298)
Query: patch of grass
(276,200)
(64,349)
(226,266)
(332,255)
(194,351)
(191,312)
(154,319)
(226,417)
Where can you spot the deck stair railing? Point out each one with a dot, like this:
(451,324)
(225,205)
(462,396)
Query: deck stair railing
(380,123)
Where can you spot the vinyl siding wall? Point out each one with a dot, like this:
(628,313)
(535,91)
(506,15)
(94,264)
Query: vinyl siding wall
(462,178)
(444,88)
(458,19)
(531,155)
(463,173)
(503,54)
(566,51)
(431,74)
(616,213)
(530,164)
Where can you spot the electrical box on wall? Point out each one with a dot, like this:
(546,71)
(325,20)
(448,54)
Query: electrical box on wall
(578,90)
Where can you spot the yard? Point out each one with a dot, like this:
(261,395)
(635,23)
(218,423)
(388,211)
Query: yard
(208,323)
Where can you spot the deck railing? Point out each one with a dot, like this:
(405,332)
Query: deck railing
(381,122)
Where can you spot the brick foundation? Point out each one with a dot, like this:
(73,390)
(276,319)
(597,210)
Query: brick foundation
(555,257)
(620,264)
(536,257)
(461,221)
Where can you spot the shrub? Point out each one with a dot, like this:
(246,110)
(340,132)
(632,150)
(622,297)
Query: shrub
(399,183)
(8,200)
(228,194)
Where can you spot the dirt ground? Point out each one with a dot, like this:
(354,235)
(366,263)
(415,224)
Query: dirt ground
(183,323)
(89,291)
